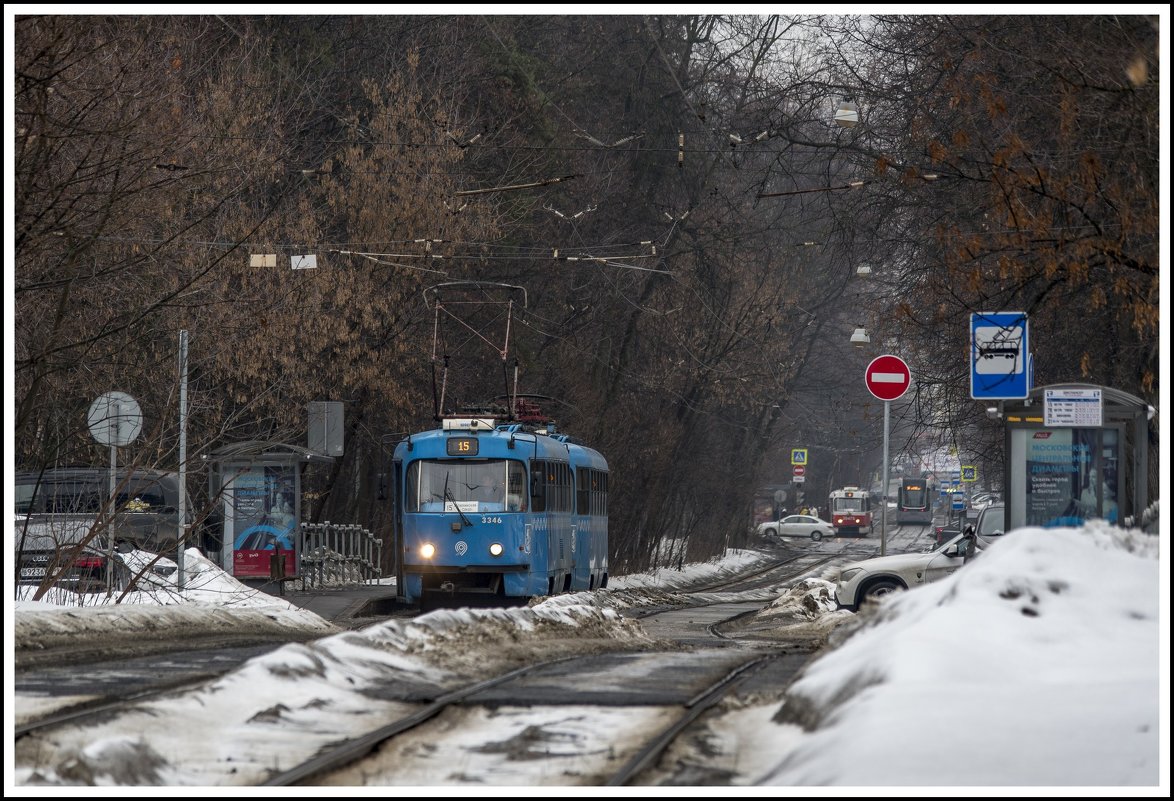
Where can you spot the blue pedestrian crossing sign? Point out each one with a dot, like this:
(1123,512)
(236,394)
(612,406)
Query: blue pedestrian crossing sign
(798,456)
(999,359)
(969,472)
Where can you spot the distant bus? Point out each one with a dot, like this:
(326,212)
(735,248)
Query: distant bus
(914,502)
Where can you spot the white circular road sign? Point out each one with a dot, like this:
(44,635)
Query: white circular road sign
(115,419)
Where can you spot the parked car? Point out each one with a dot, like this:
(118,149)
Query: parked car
(797,526)
(871,579)
(146,504)
(63,548)
(990,524)
(946,532)
(981,500)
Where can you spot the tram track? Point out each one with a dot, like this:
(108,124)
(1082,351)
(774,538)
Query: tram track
(778,572)
(376,753)
(723,680)
(346,753)
(664,694)
(647,757)
(102,707)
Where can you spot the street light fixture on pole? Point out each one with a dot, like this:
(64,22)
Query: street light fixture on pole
(847,115)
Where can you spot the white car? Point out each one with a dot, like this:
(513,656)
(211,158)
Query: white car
(797,526)
(872,578)
(990,523)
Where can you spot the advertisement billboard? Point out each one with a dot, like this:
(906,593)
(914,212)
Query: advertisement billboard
(261,502)
(1069,475)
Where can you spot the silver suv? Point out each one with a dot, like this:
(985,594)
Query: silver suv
(870,579)
(991,523)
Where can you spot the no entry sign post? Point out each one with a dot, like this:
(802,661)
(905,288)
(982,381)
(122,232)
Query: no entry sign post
(887,378)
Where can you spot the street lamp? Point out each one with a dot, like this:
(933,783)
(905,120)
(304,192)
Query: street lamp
(847,115)
(860,338)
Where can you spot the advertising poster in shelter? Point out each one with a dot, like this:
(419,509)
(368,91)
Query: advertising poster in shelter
(1068,481)
(264,520)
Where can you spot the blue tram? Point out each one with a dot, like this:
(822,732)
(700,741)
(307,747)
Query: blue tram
(915,502)
(491,513)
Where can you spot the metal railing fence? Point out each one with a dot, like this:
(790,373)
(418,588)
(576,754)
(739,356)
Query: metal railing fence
(338,555)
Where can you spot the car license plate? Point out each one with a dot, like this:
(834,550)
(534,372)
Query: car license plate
(32,572)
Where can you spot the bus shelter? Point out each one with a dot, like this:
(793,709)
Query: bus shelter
(1075,452)
(259,485)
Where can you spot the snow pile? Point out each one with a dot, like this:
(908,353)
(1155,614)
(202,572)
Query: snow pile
(212,602)
(1048,593)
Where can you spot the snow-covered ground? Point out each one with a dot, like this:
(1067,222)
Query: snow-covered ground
(1043,664)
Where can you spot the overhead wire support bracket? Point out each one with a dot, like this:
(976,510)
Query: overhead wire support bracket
(515,187)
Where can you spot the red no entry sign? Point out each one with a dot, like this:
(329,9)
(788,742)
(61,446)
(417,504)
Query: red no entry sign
(887,377)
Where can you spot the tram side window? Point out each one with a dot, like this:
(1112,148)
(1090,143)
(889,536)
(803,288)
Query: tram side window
(568,487)
(583,490)
(551,486)
(412,489)
(538,486)
(515,486)
(562,482)
(592,492)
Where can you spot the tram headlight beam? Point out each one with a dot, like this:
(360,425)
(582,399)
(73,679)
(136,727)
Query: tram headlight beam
(427,550)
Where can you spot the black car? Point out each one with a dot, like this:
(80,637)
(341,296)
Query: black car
(69,551)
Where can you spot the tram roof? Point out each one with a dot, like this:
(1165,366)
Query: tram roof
(496,442)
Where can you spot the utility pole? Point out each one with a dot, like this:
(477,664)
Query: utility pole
(183,454)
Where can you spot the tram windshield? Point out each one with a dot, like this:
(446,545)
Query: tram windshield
(913,497)
(449,485)
(849,505)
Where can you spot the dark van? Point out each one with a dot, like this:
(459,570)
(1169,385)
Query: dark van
(57,511)
(146,503)
(60,532)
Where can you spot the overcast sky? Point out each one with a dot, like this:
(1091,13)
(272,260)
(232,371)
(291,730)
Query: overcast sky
(1041,664)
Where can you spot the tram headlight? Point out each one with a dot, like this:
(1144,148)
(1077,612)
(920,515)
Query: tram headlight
(427,550)
(495,549)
